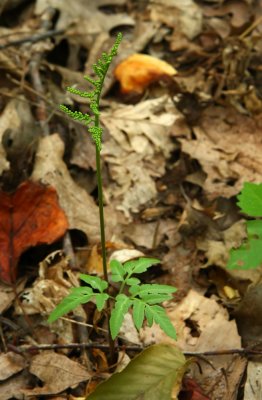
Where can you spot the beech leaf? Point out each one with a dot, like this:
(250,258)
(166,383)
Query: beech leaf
(28,217)
(149,376)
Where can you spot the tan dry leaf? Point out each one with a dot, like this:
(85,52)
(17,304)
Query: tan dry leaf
(203,325)
(57,372)
(80,209)
(11,363)
(84,20)
(209,318)
(183,15)
(138,145)
(12,387)
(7,294)
(228,146)
(253,385)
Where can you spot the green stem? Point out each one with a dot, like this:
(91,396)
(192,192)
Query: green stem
(101,212)
(103,241)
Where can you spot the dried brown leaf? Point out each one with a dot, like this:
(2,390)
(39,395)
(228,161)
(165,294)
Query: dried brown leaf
(57,372)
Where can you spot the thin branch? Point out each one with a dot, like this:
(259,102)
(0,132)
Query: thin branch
(33,39)
(28,348)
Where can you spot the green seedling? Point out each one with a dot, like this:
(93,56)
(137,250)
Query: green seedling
(249,254)
(143,299)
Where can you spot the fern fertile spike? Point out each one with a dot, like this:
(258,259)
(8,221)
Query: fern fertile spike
(81,93)
(76,115)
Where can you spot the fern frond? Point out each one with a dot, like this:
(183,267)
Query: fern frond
(100,69)
(81,93)
(76,115)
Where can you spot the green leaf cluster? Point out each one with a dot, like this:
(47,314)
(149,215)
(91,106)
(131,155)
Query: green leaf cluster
(249,254)
(142,299)
(100,69)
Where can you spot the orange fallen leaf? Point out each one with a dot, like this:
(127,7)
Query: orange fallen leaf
(136,72)
(28,217)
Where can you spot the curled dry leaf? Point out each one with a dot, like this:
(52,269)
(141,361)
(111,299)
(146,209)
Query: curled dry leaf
(139,142)
(29,217)
(80,208)
(57,372)
(11,363)
(139,70)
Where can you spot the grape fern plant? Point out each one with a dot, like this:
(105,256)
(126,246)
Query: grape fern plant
(249,254)
(143,299)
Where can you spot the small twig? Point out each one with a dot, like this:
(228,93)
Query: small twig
(33,39)
(28,348)
(34,67)
(245,352)
(24,349)
(69,250)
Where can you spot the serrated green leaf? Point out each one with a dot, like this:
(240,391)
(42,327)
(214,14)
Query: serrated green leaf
(94,281)
(254,229)
(138,313)
(247,256)
(69,303)
(160,317)
(250,199)
(142,290)
(149,315)
(151,375)
(133,281)
(120,309)
(155,298)
(101,299)
(118,271)
(140,265)
(81,291)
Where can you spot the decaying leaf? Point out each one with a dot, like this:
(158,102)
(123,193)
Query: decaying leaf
(185,15)
(85,21)
(57,372)
(80,208)
(18,134)
(203,325)
(139,70)
(139,141)
(11,363)
(29,217)
(218,146)
(12,387)
(151,375)
(253,386)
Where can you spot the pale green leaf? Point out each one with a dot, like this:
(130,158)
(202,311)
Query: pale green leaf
(117,270)
(69,303)
(142,290)
(94,281)
(160,317)
(138,313)
(149,315)
(247,256)
(132,281)
(151,375)
(121,307)
(155,298)
(254,229)
(250,199)
(140,265)
(101,299)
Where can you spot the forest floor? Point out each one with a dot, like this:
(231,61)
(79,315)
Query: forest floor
(180,139)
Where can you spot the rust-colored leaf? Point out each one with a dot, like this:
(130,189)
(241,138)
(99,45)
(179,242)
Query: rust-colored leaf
(28,217)
(139,70)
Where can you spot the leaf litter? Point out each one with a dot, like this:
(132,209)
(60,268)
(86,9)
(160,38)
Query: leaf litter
(177,150)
